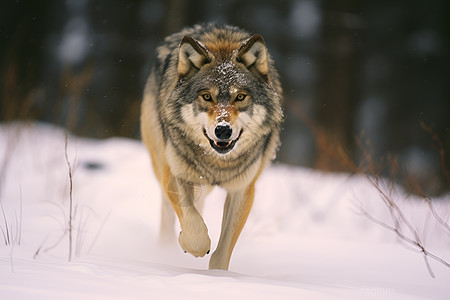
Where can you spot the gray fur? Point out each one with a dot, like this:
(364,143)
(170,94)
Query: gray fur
(220,60)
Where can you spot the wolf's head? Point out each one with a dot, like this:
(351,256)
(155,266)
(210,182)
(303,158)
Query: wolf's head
(227,92)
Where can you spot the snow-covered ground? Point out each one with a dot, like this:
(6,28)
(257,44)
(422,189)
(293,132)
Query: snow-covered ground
(305,238)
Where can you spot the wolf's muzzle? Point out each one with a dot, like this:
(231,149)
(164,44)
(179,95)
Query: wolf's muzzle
(223,145)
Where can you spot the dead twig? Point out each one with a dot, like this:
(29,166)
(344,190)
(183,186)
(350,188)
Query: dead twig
(402,226)
(439,147)
(70,196)
(408,240)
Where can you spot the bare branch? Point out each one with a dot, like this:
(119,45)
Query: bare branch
(438,218)
(439,147)
(402,226)
(70,196)
(415,244)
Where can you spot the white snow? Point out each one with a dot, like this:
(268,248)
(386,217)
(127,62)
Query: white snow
(305,237)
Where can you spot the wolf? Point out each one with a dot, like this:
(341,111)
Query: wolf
(211,116)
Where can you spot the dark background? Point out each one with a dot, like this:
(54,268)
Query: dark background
(374,71)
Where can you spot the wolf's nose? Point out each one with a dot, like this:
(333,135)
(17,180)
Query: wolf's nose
(223,132)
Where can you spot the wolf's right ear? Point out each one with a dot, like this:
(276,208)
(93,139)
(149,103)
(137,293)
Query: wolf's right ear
(192,56)
(253,53)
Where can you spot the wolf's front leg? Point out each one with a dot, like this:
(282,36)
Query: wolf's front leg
(194,233)
(237,208)
(166,232)
(193,237)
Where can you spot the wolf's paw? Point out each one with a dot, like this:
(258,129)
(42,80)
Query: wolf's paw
(196,243)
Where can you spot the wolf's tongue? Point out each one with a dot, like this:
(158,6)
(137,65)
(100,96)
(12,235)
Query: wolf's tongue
(222,144)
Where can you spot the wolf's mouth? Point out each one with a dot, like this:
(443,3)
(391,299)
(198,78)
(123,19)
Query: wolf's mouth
(222,147)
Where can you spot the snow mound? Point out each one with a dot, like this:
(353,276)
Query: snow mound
(305,238)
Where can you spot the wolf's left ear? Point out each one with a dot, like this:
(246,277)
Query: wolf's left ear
(253,53)
(192,56)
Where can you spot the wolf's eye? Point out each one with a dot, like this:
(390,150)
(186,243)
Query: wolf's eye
(206,97)
(240,97)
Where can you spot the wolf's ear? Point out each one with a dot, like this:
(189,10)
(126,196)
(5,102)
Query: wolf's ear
(253,53)
(191,55)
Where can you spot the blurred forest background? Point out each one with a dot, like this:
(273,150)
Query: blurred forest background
(374,71)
